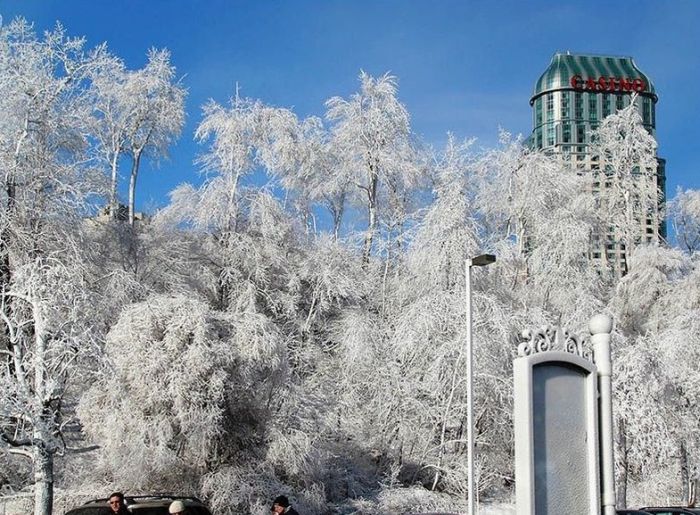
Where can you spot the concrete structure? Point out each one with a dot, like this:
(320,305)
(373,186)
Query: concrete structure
(563,422)
(569,100)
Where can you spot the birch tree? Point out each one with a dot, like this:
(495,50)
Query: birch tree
(110,122)
(372,137)
(153,114)
(45,303)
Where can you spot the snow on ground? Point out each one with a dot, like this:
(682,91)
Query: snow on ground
(496,509)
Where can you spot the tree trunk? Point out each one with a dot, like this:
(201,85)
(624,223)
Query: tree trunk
(372,208)
(132,185)
(622,465)
(337,208)
(685,474)
(113,207)
(43,481)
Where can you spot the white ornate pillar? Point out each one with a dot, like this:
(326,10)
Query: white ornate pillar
(600,328)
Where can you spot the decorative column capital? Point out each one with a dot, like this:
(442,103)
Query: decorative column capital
(553,338)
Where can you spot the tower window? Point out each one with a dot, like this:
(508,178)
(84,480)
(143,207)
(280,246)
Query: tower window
(550,135)
(565,105)
(578,105)
(566,133)
(592,107)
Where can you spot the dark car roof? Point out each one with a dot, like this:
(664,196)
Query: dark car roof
(632,512)
(671,510)
(142,505)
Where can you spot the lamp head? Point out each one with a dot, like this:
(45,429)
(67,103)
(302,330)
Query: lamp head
(483,260)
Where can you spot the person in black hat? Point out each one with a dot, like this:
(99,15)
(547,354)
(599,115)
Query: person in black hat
(281,505)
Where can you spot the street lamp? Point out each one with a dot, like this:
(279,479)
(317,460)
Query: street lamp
(480,260)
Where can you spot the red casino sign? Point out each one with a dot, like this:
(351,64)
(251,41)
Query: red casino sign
(621,84)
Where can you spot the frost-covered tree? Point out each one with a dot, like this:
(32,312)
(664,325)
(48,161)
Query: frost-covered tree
(110,120)
(628,167)
(376,152)
(137,113)
(194,389)
(540,218)
(684,213)
(637,303)
(678,347)
(317,173)
(152,113)
(45,304)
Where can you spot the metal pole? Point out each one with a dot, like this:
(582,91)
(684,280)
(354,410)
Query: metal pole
(470,388)
(600,328)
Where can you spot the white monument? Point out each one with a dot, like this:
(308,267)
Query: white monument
(563,422)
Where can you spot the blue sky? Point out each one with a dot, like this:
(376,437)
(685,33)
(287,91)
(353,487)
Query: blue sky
(463,66)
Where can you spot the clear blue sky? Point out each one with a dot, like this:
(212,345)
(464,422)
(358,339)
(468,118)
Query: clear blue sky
(463,66)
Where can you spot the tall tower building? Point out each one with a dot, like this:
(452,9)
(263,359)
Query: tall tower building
(569,100)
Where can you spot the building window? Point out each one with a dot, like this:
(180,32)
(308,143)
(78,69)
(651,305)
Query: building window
(566,133)
(550,106)
(592,107)
(578,105)
(550,134)
(606,105)
(580,134)
(565,105)
(619,102)
(538,112)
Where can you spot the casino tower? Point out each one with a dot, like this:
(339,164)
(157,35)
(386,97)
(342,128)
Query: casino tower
(569,100)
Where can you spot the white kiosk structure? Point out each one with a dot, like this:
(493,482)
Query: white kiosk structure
(563,422)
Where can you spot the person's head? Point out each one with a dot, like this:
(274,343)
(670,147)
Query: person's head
(280,504)
(177,508)
(116,502)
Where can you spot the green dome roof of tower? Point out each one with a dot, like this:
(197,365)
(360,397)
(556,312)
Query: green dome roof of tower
(565,66)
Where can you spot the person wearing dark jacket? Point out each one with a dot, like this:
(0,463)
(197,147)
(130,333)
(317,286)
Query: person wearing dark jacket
(116,504)
(281,506)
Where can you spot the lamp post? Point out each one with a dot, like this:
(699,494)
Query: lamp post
(480,260)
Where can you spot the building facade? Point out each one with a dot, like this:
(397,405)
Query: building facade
(569,100)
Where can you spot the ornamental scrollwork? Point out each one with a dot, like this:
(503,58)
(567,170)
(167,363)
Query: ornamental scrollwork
(547,338)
